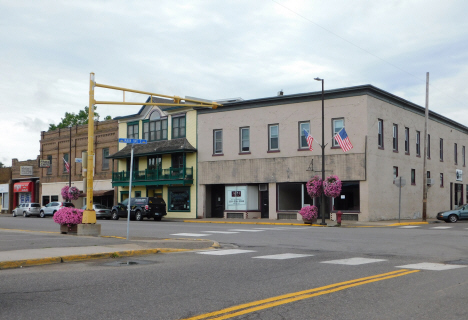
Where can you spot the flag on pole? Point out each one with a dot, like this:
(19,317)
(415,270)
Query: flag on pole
(67,165)
(309,139)
(343,140)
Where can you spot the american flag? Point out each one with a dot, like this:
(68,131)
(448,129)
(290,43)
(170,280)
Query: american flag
(343,140)
(67,165)
(309,139)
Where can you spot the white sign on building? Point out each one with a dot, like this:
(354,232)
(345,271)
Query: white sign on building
(459,174)
(26,170)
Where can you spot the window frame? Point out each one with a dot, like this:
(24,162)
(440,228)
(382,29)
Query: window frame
(380,134)
(133,125)
(216,140)
(241,140)
(395,137)
(441,151)
(301,134)
(169,198)
(455,153)
(407,140)
(177,119)
(428,146)
(395,173)
(463,155)
(418,143)
(413,177)
(335,143)
(441,179)
(270,137)
(105,161)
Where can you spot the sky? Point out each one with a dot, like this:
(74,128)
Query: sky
(216,49)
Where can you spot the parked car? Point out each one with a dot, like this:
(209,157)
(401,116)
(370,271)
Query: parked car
(140,207)
(102,212)
(27,209)
(52,207)
(459,213)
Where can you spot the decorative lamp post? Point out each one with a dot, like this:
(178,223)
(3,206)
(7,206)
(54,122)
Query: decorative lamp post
(322,202)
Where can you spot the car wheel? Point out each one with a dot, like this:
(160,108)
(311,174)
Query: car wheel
(53,213)
(14,214)
(24,214)
(115,215)
(138,216)
(157,218)
(42,215)
(453,218)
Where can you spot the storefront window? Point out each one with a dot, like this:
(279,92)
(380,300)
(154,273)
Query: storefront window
(179,199)
(290,196)
(348,200)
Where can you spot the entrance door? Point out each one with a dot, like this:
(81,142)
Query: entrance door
(217,201)
(458,194)
(264,204)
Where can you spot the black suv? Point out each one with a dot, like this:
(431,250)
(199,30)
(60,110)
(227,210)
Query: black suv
(140,207)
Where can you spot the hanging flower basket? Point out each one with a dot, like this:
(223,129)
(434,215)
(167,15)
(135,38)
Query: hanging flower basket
(70,193)
(309,214)
(332,186)
(314,187)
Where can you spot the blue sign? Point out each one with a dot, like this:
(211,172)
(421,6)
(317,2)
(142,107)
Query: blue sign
(137,141)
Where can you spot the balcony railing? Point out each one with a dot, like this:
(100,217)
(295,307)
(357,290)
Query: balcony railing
(169,174)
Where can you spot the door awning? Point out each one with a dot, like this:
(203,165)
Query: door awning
(25,186)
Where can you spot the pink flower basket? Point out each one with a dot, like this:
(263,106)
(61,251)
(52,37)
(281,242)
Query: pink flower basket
(309,212)
(332,186)
(68,216)
(314,187)
(69,194)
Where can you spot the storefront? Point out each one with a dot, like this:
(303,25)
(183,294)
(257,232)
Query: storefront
(4,196)
(24,192)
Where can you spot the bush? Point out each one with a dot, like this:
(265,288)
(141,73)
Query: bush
(68,216)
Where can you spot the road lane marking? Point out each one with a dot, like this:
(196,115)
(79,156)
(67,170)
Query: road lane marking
(353,261)
(190,234)
(245,308)
(283,256)
(224,252)
(441,227)
(432,266)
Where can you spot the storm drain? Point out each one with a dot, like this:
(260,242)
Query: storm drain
(462,261)
(128,263)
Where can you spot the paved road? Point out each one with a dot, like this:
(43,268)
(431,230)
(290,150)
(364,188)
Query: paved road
(254,263)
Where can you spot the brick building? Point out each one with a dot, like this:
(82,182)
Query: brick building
(25,178)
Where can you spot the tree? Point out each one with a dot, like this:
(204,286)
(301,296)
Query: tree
(1,165)
(72,119)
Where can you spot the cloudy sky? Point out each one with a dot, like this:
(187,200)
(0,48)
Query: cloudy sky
(218,49)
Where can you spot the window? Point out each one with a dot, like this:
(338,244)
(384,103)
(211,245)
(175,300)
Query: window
(395,137)
(245,139)
(65,157)
(154,162)
(380,135)
(407,140)
(136,166)
(428,174)
(455,153)
(178,127)
(45,200)
(273,136)
(418,143)
(177,160)
(441,144)
(338,124)
(428,146)
(463,155)
(49,169)
(105,161)
(156,130)
(132,130)
(179,199)
(290,196)
(413,176)
(395,173)
(348,200)
(441,179)
(302,138)
(217,141)
(137,194)
(53,198)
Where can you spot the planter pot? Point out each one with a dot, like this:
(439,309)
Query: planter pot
(64,229)
(313,221)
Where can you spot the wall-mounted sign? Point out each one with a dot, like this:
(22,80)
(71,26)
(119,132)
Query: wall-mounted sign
(44,163)
(26,170)
(459,174)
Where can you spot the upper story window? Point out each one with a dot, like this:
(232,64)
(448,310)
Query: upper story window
(441,179)
(418,143)
(245,139)
(218,141)
(380,134)
(273,137)
(156,128)
(463,155)
(395,173)
(455,153)
(441,145)
(395,137)
(178,127)
(154,162)
(407,141)
(428,146)
(413,176)
(132,130)
(338,124)
(49,169)
(105,161)
(302,138)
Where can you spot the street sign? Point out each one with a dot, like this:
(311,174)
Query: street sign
(44,163)
(137,141)
(78,160)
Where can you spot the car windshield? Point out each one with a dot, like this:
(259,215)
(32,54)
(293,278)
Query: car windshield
(125,202)
(100,206)
(460,207)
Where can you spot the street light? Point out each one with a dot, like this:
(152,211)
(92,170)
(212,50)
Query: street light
(322,202)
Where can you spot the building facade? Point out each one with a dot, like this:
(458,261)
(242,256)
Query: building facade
(25,178)
(67,145)
(254,161)
(6,193)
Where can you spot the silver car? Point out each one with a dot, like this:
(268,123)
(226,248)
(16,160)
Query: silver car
(27,209)
(52,207)
(102,212)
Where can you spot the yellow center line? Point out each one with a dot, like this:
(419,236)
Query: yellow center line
(296,296)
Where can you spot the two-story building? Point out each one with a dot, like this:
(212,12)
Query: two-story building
(254,160)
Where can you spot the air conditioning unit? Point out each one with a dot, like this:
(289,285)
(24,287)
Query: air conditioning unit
(262,187)
(430,181)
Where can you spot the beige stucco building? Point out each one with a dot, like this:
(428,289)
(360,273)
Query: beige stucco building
(253,159)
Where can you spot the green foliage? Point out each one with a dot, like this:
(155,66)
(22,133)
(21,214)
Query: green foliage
(72,119)
(1,165)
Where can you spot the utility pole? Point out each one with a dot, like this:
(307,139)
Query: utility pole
(425,151)
(323,199)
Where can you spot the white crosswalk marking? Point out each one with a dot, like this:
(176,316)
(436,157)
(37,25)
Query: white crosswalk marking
(190,234)
(431,266)
(408,227)
(353,261)
(246,230)
(224,252)
(441,227)
(224,232)
(283,256)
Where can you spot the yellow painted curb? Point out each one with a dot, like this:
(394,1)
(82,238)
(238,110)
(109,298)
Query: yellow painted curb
(407,224)
(29,262)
